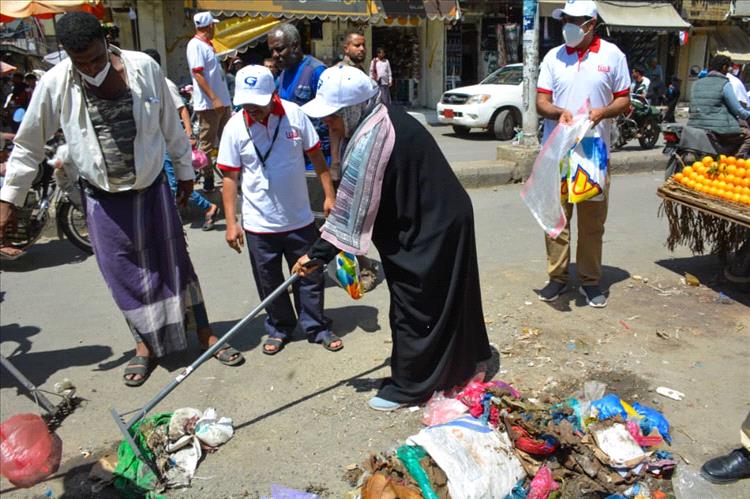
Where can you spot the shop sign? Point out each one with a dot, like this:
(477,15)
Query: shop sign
(706,10)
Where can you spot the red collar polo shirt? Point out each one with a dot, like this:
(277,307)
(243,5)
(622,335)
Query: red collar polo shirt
(573,77)
(274,191)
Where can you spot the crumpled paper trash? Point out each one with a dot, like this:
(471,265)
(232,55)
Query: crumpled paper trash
(190,431)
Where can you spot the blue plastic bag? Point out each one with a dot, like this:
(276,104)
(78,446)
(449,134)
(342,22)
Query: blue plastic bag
(609,406)
(653,419)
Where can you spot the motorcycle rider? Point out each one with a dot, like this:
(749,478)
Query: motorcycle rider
(714,107)
(639,87)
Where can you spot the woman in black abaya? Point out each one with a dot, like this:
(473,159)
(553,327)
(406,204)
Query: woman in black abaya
(423,228)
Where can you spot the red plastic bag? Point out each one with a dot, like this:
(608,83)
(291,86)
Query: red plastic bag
(542,484)
(29,453)
(441,409)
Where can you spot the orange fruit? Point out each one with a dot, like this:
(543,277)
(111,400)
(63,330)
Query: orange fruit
(731,168)
(730,179)
(696,165)
(736,198)
(678,176)
(746,181)
(722,157)
(731,160)
(745,199)
(741,163)
(740,173)
(691,184)
(712,191)
(707,160)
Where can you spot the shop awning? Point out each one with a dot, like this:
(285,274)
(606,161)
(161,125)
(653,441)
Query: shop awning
(741,8)
(290,9)
(46,9)
(236,34)
(635,16)
(641,16)
(732,42)
(444,10)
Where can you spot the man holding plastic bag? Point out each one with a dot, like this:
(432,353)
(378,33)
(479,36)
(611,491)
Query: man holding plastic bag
(582,85)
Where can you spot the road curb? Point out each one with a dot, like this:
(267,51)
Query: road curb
(517,163)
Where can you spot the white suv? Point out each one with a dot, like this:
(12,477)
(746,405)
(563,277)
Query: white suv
(495,104)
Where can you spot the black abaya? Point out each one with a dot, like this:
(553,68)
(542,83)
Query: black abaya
(424,232)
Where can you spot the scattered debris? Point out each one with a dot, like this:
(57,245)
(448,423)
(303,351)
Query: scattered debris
(670,393)
(691,280)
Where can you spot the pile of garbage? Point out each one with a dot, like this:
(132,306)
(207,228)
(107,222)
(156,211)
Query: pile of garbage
(488,441)
(175,443)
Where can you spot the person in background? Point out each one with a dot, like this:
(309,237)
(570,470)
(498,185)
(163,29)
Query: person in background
(354,50)
(640,85)
(714,107)
(653,70)
(298,80)
(380,71)
(263,150)
(270,64)
(411,206)
(571,76)
(211,99)
(672,97)
(209,209)
(118,119)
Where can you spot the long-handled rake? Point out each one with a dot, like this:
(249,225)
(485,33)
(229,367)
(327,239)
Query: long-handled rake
(140,413)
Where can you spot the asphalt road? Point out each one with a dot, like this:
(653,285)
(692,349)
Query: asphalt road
(301,416)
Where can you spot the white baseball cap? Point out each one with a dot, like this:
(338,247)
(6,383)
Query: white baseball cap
(253,85)
(204,19)
(339,86)
(576,8)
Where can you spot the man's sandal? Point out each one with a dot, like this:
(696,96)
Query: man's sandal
(276,343)
(138,366)
(329,339)
(225,354)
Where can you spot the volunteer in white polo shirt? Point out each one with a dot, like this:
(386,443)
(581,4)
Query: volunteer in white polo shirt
(211,99)
(585,70)
(264,145)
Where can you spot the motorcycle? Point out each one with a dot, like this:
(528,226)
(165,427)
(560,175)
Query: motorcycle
(643,122)
(685,145)
(51,187)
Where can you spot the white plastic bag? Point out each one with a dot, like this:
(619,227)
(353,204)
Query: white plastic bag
(478,460)
(542,190)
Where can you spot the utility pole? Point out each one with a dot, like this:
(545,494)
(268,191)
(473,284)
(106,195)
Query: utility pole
(530,71)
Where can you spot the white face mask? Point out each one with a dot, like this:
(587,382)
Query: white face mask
(99,77)
(573,34)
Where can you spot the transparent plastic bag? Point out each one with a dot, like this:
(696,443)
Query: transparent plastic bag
(542,190)
(29,453)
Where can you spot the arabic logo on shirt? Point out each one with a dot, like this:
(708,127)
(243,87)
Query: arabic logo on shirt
(292,134)
(604,68)
(250,81)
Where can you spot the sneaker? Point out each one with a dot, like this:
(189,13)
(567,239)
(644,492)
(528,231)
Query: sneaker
(594,296)
(380,404)
(552,291)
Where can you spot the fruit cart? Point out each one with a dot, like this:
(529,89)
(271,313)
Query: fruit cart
(707,206)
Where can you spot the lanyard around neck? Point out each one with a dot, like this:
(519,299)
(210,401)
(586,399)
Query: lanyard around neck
(263,157)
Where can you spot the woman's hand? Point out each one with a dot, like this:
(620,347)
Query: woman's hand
(303,267)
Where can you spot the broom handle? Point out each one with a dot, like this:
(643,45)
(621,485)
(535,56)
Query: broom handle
(211,351)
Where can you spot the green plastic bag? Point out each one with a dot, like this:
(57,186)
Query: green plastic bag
(410,455)
(133,477)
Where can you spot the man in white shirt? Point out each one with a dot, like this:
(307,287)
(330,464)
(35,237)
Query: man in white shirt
(209,209)
(264,146)
(211,99)
(119,121)
(586,70)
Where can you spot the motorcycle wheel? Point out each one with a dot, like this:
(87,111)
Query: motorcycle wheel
(673,166)
(72,221)
(650,131)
